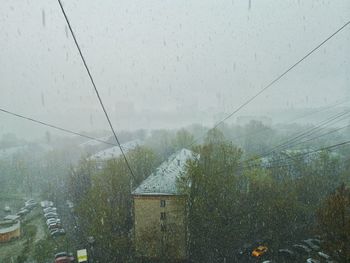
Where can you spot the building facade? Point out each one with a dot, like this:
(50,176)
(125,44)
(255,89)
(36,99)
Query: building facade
(9,230)
(160,221)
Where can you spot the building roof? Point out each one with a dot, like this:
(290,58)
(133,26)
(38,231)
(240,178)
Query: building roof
(114,152)
(11,217)
(163,180)
(91,143)
(8,226)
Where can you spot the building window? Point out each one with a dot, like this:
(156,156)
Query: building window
(162,203)
(162,216)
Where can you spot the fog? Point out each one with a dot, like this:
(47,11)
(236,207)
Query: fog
(167,64)
(174,131)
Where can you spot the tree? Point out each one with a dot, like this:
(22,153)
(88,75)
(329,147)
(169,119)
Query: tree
(183,139)
(334,223)
(212,198)
(104,206)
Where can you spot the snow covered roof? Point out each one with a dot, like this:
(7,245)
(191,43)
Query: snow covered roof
(114,152)
(163,181)
(11,217)
(8,226)
(91,143)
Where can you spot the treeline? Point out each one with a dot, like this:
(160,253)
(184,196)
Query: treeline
(230,203)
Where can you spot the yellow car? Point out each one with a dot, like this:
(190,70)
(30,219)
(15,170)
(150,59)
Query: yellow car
(259,251)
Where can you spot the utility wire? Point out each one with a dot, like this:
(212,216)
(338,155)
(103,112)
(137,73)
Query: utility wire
(279,77)
(282,75)
(266,128)
(325,134)
(284,163)
(298,136)
(55,127)
(306,133)
(96,91)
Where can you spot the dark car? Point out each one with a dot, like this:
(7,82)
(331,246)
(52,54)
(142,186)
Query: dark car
(64,257)
(58,232)
(55,225)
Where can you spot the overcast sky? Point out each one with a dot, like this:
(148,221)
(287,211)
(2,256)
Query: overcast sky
(167,57)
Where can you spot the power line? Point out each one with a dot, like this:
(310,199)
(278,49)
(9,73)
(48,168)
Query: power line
(298,136)
(96,91)
(305,133)
(283,163)
(325,134)
(279,77)
(282,75)
(266,128)
(54,126)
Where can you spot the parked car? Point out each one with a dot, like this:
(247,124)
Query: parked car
(64,257)
(22,212)
(49,209)
(46,203)
(54,225)
(311,243)
(53,220)
(311,260)
(324,255)
(58,232)
(51,215)
(302,249)
(259,251)
(30,204)
(30,201)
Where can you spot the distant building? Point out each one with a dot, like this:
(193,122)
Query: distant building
(113,152)
(94,143)
(287,160)
(244,120)
(9,230)
(160,228)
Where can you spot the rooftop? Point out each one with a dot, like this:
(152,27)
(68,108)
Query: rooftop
(8,226)
(163,180)
(114,152)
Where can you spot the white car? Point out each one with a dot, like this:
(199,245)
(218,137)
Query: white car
(46,203)
(311,243)
(53,220)
(50,214)
(311,260)
(324,255)
(50,209)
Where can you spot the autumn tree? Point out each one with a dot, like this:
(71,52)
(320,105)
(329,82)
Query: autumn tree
(334,223)
(212,198)
(104,208)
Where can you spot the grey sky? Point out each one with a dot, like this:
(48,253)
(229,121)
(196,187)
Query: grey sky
(168,57)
